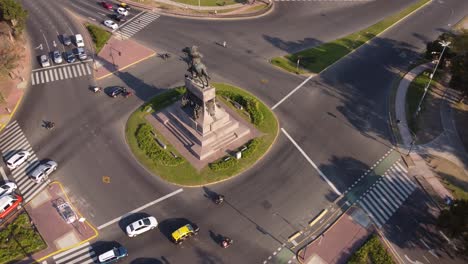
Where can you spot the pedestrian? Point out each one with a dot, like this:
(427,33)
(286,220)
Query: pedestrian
(224,43)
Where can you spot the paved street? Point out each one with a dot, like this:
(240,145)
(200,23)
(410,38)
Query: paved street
(334,127)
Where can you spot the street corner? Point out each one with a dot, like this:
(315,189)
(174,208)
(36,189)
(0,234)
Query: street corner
(340,240)
(59,223)
(118,54)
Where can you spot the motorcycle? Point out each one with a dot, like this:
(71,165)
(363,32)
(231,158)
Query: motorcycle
(219,199)
(49,125)
(226,242)
(96,89)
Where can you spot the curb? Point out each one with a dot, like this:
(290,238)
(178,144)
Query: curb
(96,233)
(252,15)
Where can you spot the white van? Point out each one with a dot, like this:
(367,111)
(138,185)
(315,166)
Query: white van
(79,41)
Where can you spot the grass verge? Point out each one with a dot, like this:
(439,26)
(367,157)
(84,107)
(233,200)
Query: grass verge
(414,94)
(209,2)
(99,36)
(19,239)
(373,251)
(185,174)
(318,58)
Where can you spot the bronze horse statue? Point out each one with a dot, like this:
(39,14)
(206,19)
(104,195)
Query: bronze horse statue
(196,68)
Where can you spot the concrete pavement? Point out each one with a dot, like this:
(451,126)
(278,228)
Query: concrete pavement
(417,165)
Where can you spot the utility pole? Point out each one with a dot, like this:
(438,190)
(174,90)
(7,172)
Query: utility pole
(445,45)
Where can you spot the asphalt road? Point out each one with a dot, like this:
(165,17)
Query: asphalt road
(339,119)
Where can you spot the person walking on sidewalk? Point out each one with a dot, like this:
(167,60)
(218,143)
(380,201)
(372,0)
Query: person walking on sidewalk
(224,43)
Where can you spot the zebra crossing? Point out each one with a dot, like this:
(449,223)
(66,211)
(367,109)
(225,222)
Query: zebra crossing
(386,195)
(82,254)
(12,140)
(62,72)
(138,23)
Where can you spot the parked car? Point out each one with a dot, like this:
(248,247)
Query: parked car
(81,53)
(79,41)
(7,188)
(8,203)
(57,57)
(124,5)
(111,24)
(70,57)
(122,11)
(119,18)
(113,91)
(44,61)
(42,171)
(66,40)
(113,255)
(106,5)
(17,159)
(141,226)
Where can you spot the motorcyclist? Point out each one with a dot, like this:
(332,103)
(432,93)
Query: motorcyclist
(226,242)
(219,199)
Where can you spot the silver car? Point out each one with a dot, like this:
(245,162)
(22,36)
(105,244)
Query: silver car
(42,172)
(57,57)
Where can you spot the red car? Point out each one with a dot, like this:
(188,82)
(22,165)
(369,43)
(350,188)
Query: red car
(8,203)
(106,5)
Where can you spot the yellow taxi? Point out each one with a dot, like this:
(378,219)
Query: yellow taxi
(184,232)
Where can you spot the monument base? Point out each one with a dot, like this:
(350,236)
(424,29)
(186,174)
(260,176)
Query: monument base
(202,148)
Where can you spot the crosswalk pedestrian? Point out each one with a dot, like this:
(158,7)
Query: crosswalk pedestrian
(62,72)
(384,198)
(13,140)
(138,23)
(82,254)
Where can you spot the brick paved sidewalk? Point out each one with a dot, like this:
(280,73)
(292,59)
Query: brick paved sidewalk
(338,243)
(119,54)
(57,234)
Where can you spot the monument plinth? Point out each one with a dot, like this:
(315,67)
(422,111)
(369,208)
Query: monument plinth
(200,124)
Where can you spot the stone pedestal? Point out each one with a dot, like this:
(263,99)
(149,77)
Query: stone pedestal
(210,131)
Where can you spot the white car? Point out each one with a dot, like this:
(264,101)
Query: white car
(44,61)
(141,226)
(122,11)
(42,172)
(111,24)
(7,188)
(16,160)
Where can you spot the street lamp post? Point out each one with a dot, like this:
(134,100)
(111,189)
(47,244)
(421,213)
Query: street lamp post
(444,44)
(413,136)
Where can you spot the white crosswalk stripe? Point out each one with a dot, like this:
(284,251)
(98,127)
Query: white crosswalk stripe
(137,24)
(82,254)
(12,140)
(59,73)
(384,198)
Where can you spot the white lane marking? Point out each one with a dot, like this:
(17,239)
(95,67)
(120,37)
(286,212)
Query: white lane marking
(46,76)
(140,208)
(76,253)
(88,69)
(83,69)
(51,76)
(60,73)
(293,91)
(69,72)
(74,72)
(137,15)
(42,77)
(2,171)
(33,81)
(311,162)
(65,73)
(78,70)
(46,41)
(55,74)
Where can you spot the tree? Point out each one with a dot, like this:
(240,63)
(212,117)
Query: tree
(14,13)
(455,221)
(459,80)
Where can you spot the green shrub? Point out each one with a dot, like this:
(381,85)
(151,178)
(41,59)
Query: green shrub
(250,104)
(99,36)
(371,252)
(147,143)
(251,147)
(223,164)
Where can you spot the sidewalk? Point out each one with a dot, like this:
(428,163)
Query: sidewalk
(57,234)
(117,55)
(338,243)
(417,165)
